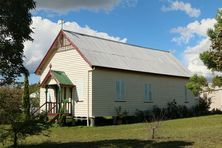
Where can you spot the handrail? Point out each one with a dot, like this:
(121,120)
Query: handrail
(33,113)
(52,107)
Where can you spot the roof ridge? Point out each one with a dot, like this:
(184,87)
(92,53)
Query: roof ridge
(116,41)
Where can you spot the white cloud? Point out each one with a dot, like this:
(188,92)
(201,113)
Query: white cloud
(63,6)
(191,53)
(193,29)
(45,32)
(181,6)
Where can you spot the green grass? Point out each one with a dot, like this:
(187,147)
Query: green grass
(190,132)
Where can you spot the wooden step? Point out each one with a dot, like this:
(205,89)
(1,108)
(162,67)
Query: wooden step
(56,116)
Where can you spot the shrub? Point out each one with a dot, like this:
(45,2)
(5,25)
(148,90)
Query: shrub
(203,105)
(10,103)
(172,110)
(157,112)
(120,115)
(139,115)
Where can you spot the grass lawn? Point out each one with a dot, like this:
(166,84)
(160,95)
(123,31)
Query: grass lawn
(190,132)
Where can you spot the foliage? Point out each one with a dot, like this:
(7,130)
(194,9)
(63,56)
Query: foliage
(173,110)
(203,106)
(120,115)
(20,128)
(15,20)
(35,89)
(26,99)
(20,123)
(10,103)
(62,113)
(196,84)
(217,81)
(212,57)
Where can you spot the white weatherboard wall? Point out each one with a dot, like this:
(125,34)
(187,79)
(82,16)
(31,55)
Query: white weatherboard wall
(164,90)
(76,69)
(216,98)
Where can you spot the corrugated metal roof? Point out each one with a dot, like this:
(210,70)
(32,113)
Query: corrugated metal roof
(112,54)
(61,77)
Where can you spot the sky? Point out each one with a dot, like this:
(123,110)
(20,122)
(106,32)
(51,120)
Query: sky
(179,26)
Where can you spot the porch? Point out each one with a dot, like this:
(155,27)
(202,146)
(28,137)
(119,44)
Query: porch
(58,95)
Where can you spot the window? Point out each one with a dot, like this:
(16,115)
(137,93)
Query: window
(185,95)
(119,90)
(147,92)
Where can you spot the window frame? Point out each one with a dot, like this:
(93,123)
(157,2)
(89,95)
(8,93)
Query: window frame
(148,96)
(120,91)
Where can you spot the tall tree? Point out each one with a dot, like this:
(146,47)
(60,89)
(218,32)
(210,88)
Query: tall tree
(26,98)
(213,57)
(15,20)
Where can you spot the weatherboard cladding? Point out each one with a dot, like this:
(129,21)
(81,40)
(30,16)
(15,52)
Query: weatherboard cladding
(111,54)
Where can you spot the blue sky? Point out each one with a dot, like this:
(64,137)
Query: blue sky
(176,25)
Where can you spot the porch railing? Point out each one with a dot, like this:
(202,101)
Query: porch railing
(52,107)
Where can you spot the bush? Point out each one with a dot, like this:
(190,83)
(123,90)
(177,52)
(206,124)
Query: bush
(10,103)
(203,105)
(174,111)
(157,112)
(139,116)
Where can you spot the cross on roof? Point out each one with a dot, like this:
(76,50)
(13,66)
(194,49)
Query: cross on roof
(62,23)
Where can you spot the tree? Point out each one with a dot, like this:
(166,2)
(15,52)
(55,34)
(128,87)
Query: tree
(10,103)
(196,84)
(16,113)
(34,91)
(212,58)
(15,20)
(217,81)
(26,99)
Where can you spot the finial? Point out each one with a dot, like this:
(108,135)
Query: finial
(50,66)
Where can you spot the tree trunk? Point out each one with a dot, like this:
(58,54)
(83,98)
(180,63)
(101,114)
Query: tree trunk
(15,140)
(153,133)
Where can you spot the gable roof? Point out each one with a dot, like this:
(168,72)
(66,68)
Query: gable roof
(60,77)
(100,52)
(112,54)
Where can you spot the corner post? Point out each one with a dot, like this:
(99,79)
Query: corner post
(46,97)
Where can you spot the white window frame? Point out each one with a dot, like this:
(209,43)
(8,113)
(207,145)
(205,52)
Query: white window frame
(120,90)
(148,93)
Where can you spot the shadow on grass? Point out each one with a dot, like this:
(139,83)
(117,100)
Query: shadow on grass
(113,143)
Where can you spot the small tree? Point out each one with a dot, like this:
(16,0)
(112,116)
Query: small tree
(196,84)
(155,123)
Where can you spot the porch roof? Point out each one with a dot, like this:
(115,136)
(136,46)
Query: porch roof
(60,77)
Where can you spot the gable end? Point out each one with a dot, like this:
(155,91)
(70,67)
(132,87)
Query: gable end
(39,69)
